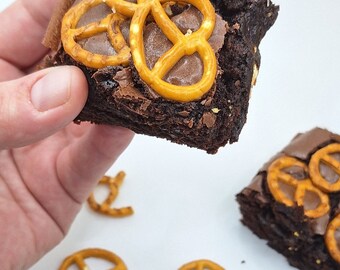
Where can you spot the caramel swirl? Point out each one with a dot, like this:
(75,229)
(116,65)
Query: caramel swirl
(276,174)
(183,44)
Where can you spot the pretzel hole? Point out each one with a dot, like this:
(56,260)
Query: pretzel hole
(98,264)
(98,44)
(174,8)
(287,190)
(311,200)
(125,29)
(101,193)
(188,21)
(95,14)
(155,44)
(296,171)
(327,171)
(183,73)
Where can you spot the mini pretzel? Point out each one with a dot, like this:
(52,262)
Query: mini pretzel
(110,24)
(333,245)
(323,207)
(201,265)
(276,174)
(183,44)
(105,208)
(324,156)
(79,257)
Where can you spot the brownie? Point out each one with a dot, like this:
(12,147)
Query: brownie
(289,229)
(118,96)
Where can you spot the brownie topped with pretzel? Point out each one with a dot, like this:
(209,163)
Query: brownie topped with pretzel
(180,70)
(294,201)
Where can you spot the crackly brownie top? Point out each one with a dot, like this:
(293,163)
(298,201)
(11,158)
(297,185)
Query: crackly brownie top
(306,173)
(172,45)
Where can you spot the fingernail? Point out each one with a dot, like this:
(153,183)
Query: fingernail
(52,90)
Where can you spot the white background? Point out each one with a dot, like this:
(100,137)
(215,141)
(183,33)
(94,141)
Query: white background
(184,199)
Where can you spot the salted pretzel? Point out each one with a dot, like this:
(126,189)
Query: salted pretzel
(201,265)
(105,208)
(324,156)
(276,174)
(79,258)
(183,44)
(333,242)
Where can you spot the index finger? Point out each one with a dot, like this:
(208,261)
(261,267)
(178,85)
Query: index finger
(22,28)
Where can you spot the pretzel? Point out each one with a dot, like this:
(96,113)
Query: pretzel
(324,156)
(275,175)
(105,208)
(201,265)
(69,35)
(332,243)
(79,257)
(182,44)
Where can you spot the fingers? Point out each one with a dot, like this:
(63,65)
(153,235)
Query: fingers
(22,28)
(81,165)
(38,105)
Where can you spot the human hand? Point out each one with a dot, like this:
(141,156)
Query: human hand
(48,165)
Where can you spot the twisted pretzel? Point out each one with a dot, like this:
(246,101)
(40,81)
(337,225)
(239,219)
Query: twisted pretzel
(110,24)
(324,156)
(201,265)
(79,257)
(275,175)
(105,208)
(183,44)
(332,243)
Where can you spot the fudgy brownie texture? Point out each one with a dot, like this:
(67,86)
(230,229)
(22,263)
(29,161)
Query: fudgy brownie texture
(118,96)
(287,229)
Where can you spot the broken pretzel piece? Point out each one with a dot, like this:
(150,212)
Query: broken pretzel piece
(105,208)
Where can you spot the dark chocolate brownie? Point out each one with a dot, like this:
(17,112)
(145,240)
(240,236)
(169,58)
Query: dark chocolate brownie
(287,229)
(119,97)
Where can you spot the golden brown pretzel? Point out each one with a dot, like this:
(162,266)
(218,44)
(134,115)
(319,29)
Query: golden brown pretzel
(332,243)
(79,257)
(324,156)
(182,44)
(201,265)
(70,34)
(105,208)
(276,174)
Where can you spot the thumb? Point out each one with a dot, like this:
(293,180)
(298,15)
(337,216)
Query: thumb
(38,105)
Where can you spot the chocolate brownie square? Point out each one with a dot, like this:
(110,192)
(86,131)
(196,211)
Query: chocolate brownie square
(293,201)
(127,94)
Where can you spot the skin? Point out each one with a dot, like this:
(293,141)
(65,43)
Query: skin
(48,165)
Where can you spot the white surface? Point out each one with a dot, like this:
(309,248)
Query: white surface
(184,199)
